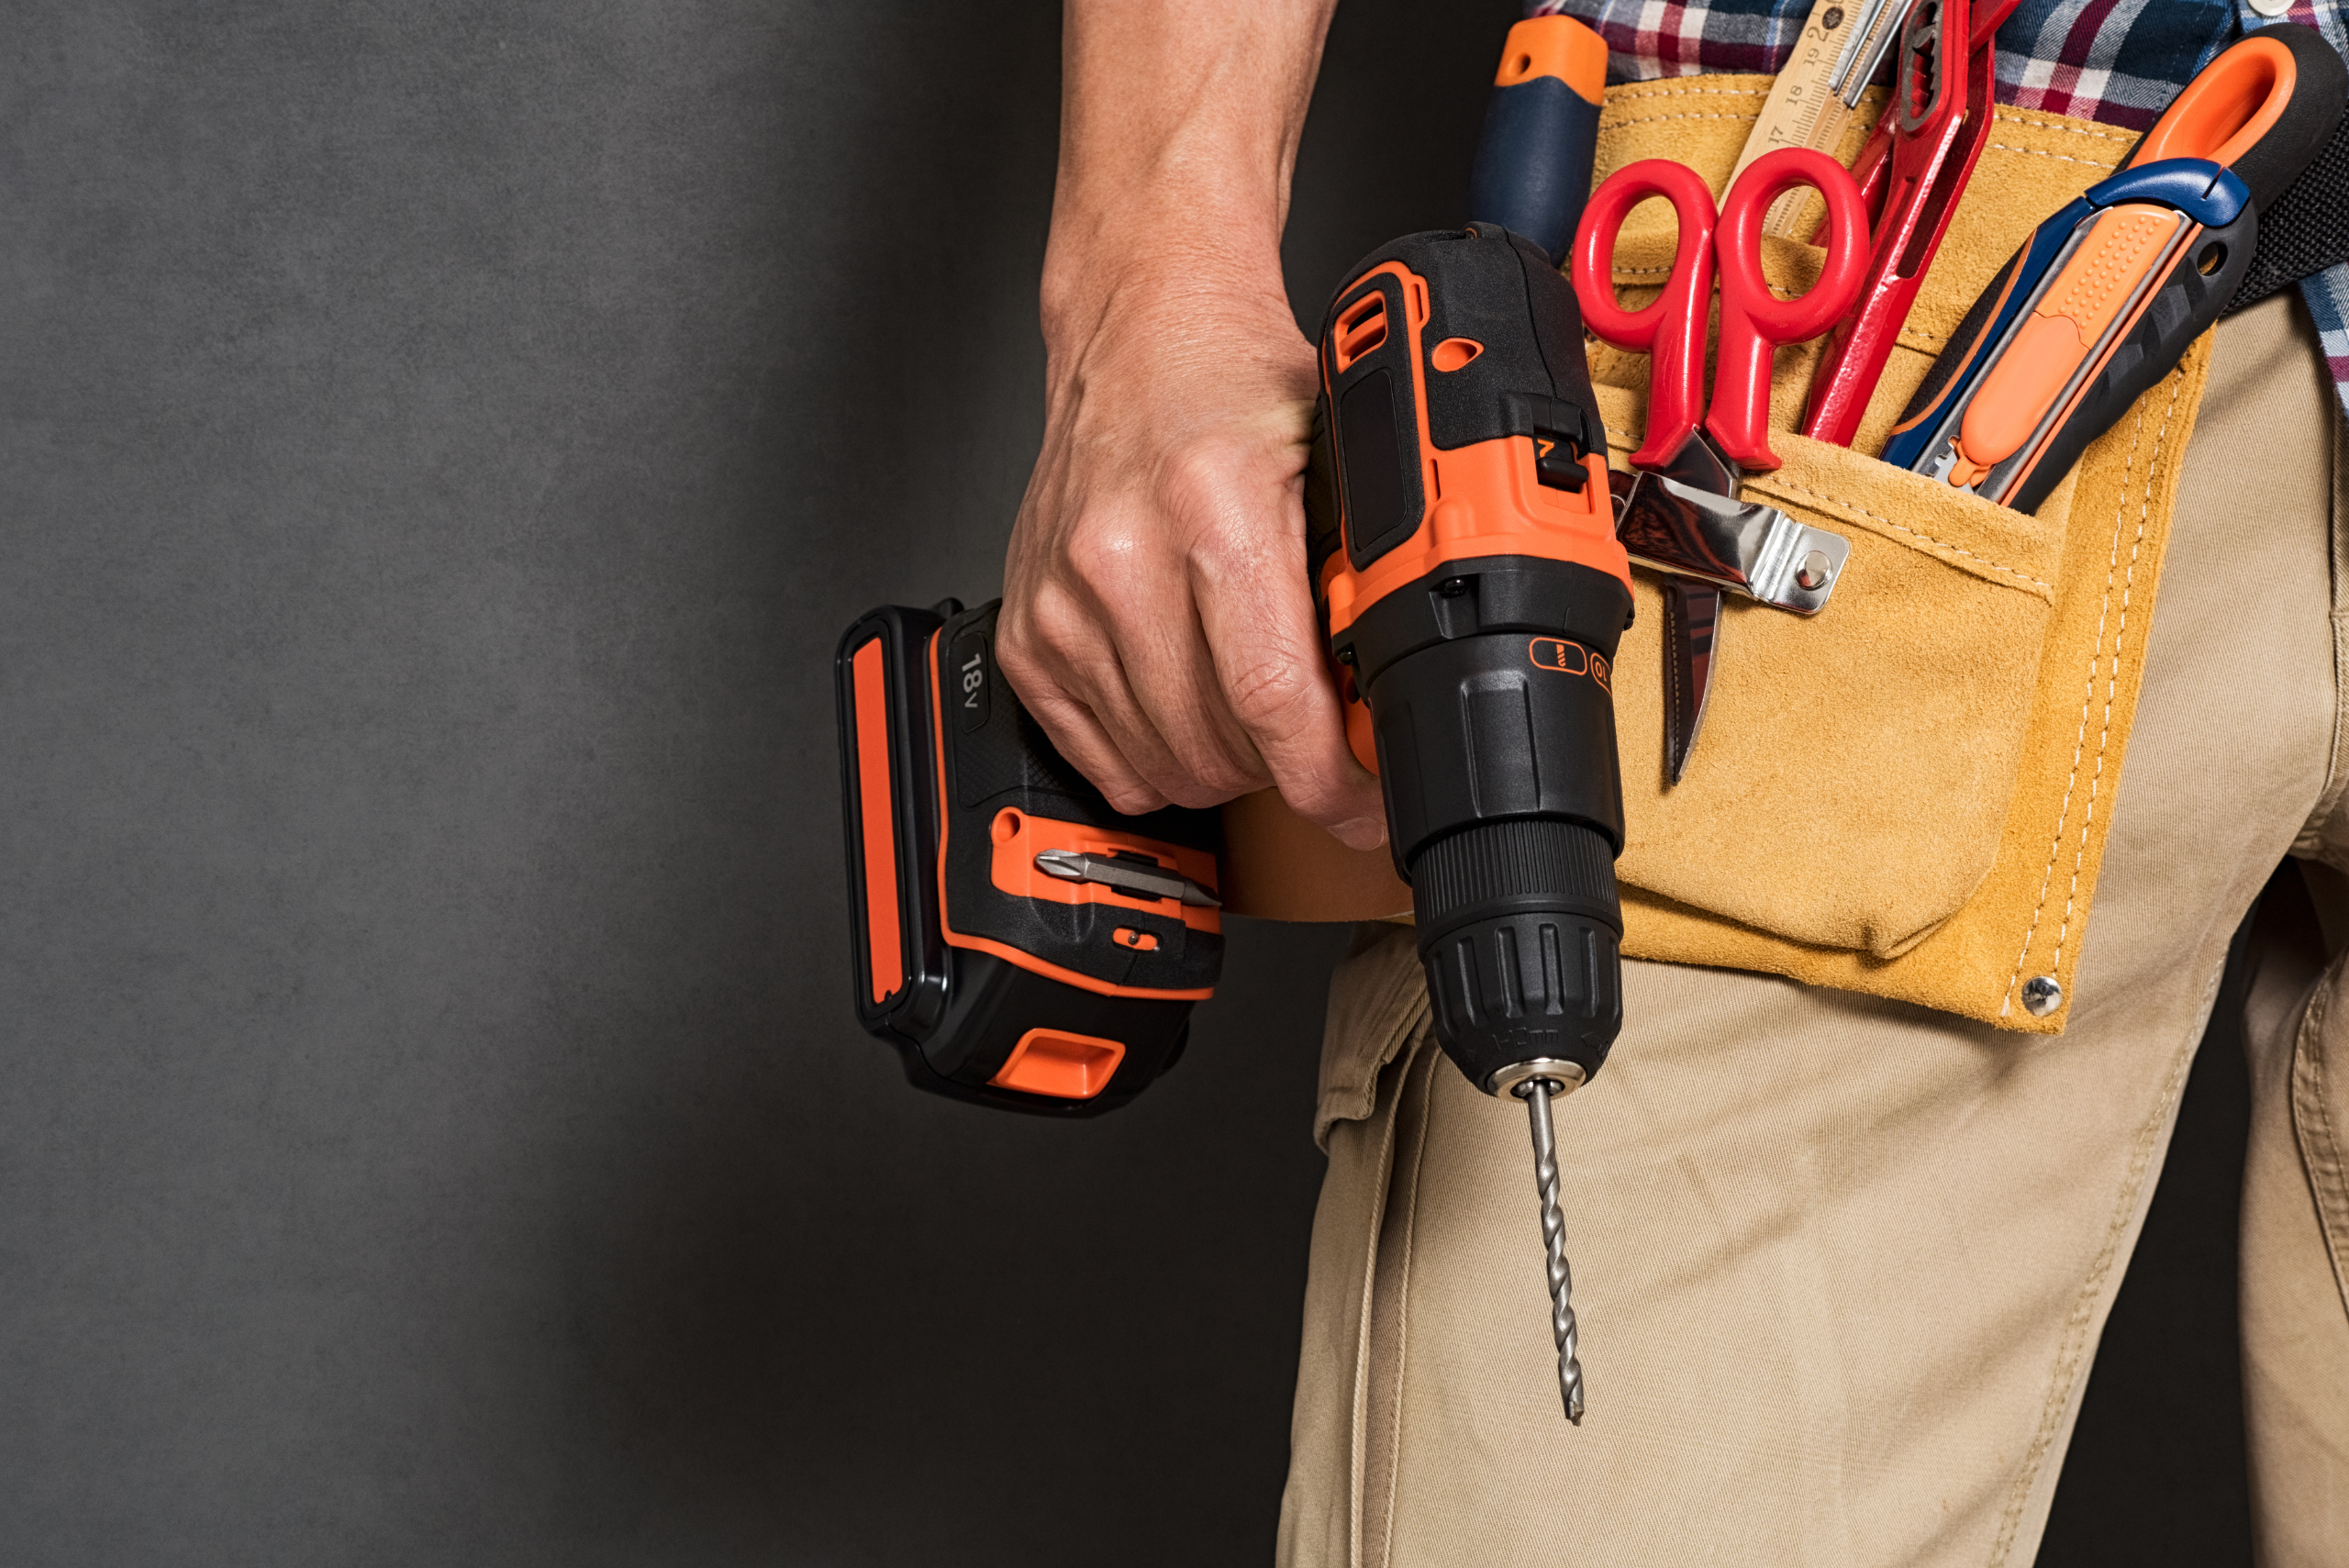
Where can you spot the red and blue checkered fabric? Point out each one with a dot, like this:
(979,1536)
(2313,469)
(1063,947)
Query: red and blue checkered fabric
(2117,61)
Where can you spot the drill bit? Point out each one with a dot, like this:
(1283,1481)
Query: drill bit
(1537,1093)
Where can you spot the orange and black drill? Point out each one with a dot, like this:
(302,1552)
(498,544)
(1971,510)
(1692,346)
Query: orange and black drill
(1466,561)
(1024,945)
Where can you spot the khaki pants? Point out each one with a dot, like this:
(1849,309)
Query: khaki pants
(1840,1262)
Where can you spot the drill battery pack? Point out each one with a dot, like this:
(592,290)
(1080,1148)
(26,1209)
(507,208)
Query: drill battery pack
(1019,941)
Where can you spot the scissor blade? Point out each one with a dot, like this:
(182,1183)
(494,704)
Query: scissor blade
(1742,546)
(1692,620)
(1698,464)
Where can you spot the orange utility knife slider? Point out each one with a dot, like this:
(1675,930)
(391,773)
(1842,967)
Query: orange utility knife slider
(2107,295)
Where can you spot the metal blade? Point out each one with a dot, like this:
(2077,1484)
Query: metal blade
(1692,622)
(1700,466)
(1131,877)
(1862,34)
(1742,546)
(1881,35)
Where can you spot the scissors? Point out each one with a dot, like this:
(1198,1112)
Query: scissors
(1681,514)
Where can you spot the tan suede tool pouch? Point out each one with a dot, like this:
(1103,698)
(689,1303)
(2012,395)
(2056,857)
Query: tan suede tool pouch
(1907,793)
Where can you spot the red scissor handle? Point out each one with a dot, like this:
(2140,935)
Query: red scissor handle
(1672,330)
(1754,320)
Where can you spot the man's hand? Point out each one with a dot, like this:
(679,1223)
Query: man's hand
(1157,620)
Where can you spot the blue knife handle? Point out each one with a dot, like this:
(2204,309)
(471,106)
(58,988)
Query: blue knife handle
(2211,197)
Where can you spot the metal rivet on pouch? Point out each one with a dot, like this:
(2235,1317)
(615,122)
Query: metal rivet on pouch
(1813,571)
(2042,995)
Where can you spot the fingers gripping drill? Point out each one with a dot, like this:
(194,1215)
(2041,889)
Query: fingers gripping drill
(1467,567)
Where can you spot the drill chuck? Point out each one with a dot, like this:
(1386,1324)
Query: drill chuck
(1518,929)
(1496,741)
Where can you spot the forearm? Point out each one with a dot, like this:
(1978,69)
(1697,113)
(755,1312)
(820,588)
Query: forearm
(1179,126)
(1156,617)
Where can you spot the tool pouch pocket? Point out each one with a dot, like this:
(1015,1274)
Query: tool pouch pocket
(1901,793)
(1854,768)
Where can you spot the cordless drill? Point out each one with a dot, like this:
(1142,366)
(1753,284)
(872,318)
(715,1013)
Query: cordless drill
(1024,946)
(1466,566)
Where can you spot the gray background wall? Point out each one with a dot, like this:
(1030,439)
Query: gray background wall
(438,446)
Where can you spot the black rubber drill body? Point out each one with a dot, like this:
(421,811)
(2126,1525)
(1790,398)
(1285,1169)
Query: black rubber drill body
(1486,677)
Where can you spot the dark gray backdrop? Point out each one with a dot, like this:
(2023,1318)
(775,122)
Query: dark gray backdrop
(438,446)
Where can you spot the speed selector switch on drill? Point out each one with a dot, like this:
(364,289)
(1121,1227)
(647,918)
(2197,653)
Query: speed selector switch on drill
(1465,557)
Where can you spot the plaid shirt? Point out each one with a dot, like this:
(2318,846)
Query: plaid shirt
(2116,61)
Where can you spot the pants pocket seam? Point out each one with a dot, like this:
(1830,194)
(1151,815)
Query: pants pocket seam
(2318,1137)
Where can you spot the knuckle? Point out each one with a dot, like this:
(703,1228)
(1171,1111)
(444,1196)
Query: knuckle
(1194,478)
(1197,795)
(1215,783)
(1035,677)
(1235,777)
(1227,517)
(1105,553)
(1015,641)
(1133,799)
(1214,766)
(1270,689)
(1051,632)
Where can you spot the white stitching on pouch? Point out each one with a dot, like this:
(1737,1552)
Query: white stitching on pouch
(1651,119)
(2088,700)
(2036,153)
(1912,533)
(2025,116)
(1637,91)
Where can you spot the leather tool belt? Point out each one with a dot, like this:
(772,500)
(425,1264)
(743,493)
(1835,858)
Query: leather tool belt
(1908,795)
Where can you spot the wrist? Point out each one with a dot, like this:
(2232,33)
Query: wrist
(1179,277)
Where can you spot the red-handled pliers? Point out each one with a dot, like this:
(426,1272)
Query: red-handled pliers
(1911,171)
